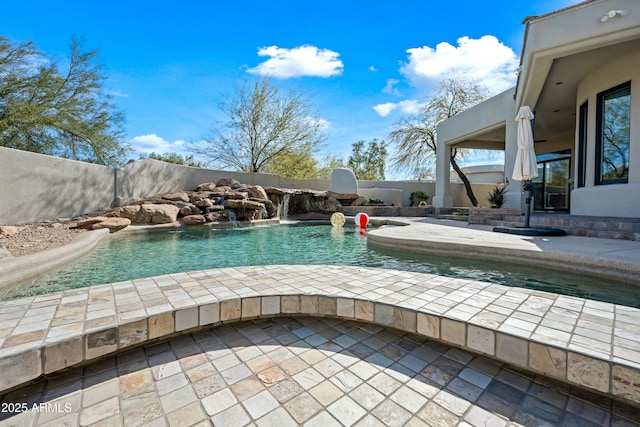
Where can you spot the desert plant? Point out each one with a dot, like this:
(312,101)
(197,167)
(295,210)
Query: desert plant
(418,196)
(497,196)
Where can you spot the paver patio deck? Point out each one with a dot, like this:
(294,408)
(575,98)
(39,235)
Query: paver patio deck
(580,342)
(306,371)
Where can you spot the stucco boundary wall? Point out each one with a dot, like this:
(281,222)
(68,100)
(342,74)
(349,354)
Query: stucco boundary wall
(36,187)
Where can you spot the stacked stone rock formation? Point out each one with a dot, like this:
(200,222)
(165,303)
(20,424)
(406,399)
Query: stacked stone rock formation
(217,202)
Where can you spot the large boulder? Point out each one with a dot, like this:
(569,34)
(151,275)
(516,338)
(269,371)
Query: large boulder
(194,220)
(206,186)
(275,190)
(271,208)
(243,204)
(161,214)
(130,211)
(113,224)
(88,222)
(236,195)
(257,192)
(189,209)
(100,222)
(307,202)
(214,216)
(181,196)
(329,206)
(204,203)
(194,197)
(221,190)
(343,198)
(156,200)
(148,213)
(360,201)
(228,182)
(247,210)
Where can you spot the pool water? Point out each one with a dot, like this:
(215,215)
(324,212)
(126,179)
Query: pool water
(132,256)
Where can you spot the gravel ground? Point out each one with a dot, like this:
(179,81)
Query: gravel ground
(28,239)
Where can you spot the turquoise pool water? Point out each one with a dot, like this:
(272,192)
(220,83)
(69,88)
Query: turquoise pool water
(133,256)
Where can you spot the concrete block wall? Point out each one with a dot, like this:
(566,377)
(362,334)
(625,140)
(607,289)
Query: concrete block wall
(36,187)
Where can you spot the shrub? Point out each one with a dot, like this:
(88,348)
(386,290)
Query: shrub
(418,196)
(497,196)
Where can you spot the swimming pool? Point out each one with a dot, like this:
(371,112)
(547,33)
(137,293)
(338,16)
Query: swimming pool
(130,256)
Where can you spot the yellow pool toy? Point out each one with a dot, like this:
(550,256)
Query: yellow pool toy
(337,219)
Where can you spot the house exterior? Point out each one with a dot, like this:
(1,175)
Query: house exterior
(580,74)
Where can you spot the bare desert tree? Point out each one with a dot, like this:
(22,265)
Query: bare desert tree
(414,138)
(261,124)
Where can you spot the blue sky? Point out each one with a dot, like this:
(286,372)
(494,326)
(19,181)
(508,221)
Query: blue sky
(364,63)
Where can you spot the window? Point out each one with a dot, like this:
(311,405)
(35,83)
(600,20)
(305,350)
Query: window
(582,144)
(613,135)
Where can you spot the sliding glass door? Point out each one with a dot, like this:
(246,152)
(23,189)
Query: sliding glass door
(552,186)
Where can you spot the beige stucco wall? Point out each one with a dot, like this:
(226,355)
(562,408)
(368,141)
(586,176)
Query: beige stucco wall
(482,174)
(481,191)
(35,187)
(621,200)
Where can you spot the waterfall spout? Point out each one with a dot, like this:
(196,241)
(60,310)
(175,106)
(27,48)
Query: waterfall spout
(284,213)
(231,216)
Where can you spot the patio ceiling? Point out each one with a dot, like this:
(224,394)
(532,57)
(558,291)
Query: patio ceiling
(555,108)
(487,139)
(555,105)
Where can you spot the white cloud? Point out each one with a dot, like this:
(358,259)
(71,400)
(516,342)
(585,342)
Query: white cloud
(385,109)
(145,144)
(486,60)
(390,87)
(118,94)
(409,106)
(298,62)
(373,68)
(321,123)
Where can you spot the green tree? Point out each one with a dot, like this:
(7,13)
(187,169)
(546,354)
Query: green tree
(327,164)
(261,124)
(294,164)
(304,165)
(175,158)
(368,163)
(414,138)
(58,110)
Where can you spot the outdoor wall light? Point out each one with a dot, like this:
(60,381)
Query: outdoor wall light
(612,14)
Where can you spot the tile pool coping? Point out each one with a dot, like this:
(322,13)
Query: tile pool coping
(581,342)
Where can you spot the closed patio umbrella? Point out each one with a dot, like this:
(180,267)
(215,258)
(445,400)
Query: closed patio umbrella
(525,167)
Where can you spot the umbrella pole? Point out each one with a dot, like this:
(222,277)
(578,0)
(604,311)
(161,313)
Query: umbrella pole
(528,187)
